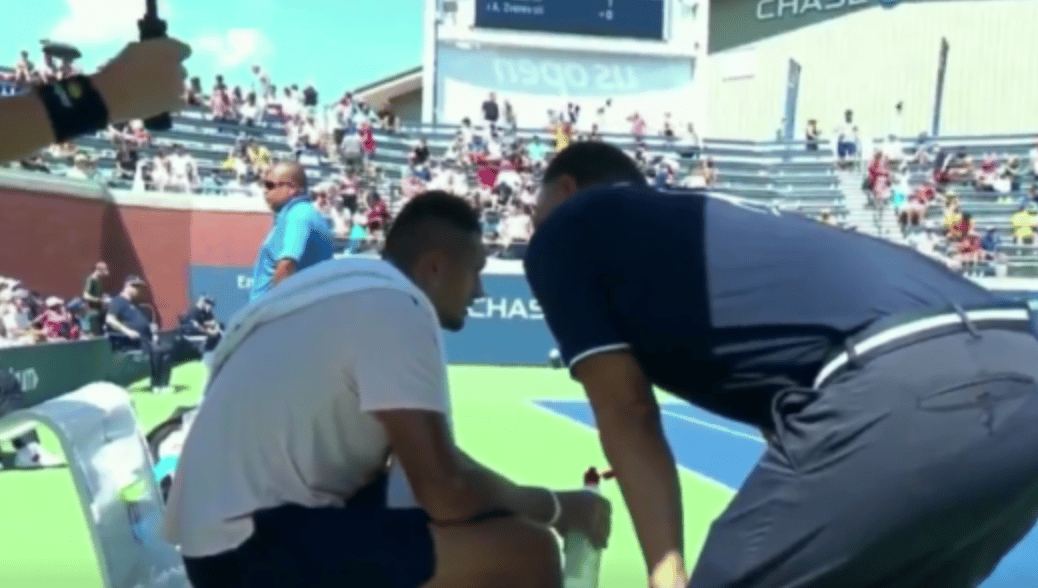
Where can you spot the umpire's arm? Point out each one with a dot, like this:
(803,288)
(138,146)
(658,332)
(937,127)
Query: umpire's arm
(631,433)
(562,272)
(298,225)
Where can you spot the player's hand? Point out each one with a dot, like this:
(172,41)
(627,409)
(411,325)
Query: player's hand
(669,573)
(133,334)
(146,78)
(588,513)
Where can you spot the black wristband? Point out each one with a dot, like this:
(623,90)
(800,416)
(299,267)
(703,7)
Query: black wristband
(74,107)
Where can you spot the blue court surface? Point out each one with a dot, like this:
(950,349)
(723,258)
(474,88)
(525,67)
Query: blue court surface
(722,452)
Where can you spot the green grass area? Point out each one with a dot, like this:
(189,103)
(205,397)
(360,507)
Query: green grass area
(44,542)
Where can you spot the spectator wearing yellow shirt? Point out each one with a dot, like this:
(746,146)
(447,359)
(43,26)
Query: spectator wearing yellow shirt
(952,212)
(258,156)
(1024,222)
(562,131)
(236,161)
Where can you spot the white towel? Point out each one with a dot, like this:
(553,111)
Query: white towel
(325,280)
(320,282)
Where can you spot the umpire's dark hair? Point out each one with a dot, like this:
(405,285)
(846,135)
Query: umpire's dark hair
(434,218)
(593,162)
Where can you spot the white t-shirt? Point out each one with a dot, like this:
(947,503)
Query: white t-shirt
(517,227)
(181,166)
(287,419)
(510,178)
(14,319)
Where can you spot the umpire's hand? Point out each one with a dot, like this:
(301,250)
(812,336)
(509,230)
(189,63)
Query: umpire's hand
(586,512)
(144,79)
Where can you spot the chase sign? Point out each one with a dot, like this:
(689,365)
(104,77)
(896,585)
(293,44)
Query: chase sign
(734,23)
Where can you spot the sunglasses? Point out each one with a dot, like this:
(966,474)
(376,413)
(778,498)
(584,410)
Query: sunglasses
(271,185)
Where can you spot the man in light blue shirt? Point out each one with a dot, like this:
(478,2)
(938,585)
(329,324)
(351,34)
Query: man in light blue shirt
(536,150)
(300,237)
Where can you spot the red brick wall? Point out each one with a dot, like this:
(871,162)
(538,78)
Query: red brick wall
(53,240)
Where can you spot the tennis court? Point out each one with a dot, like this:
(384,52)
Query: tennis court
(530,423)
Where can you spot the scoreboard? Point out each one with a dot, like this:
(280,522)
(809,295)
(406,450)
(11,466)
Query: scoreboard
(635,19)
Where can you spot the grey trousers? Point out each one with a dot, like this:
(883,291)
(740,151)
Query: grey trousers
(916,469)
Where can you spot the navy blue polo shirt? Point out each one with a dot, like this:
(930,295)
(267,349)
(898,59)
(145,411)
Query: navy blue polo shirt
(722,302)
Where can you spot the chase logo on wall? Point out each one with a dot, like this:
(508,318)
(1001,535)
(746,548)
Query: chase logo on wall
(734,23)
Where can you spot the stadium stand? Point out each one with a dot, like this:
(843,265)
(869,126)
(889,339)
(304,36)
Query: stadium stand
(363,165)
(974,194)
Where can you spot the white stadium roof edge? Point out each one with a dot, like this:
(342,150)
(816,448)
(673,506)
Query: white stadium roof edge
(390,87)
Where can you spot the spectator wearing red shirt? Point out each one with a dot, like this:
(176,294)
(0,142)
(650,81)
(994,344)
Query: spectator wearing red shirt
(367,136)
(971,250)
(962,228)
(57,323)
(378,213)
(878,180)
(638,126)
(486,170)
(912,215)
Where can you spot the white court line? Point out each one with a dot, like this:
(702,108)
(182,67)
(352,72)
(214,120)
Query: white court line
(696,474)
(721,428)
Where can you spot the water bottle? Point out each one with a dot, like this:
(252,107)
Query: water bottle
(582,559)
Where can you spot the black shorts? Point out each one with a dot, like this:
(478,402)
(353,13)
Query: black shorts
(362,544)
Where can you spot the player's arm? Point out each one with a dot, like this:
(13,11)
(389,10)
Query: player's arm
(421,440)
(401,379)
(561,268)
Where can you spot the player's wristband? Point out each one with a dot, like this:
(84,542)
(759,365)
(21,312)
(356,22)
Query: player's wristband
(74,107)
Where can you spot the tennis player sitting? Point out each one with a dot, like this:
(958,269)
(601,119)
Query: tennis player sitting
(323,453)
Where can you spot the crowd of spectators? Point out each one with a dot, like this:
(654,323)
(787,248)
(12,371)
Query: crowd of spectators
(26,317)
(497,168)
(922,189)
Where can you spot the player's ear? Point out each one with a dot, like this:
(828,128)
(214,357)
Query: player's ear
(431,266)
(567,186)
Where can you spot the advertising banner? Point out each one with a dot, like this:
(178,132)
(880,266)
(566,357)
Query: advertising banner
(81,362)
(734,23)
(536,81)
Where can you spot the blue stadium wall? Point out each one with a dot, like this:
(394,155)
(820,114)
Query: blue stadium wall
(504,328)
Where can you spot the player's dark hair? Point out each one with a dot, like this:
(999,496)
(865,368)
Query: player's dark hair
(431,219)
(593,163)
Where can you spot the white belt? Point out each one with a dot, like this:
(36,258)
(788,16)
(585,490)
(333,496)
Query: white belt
(894,333)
